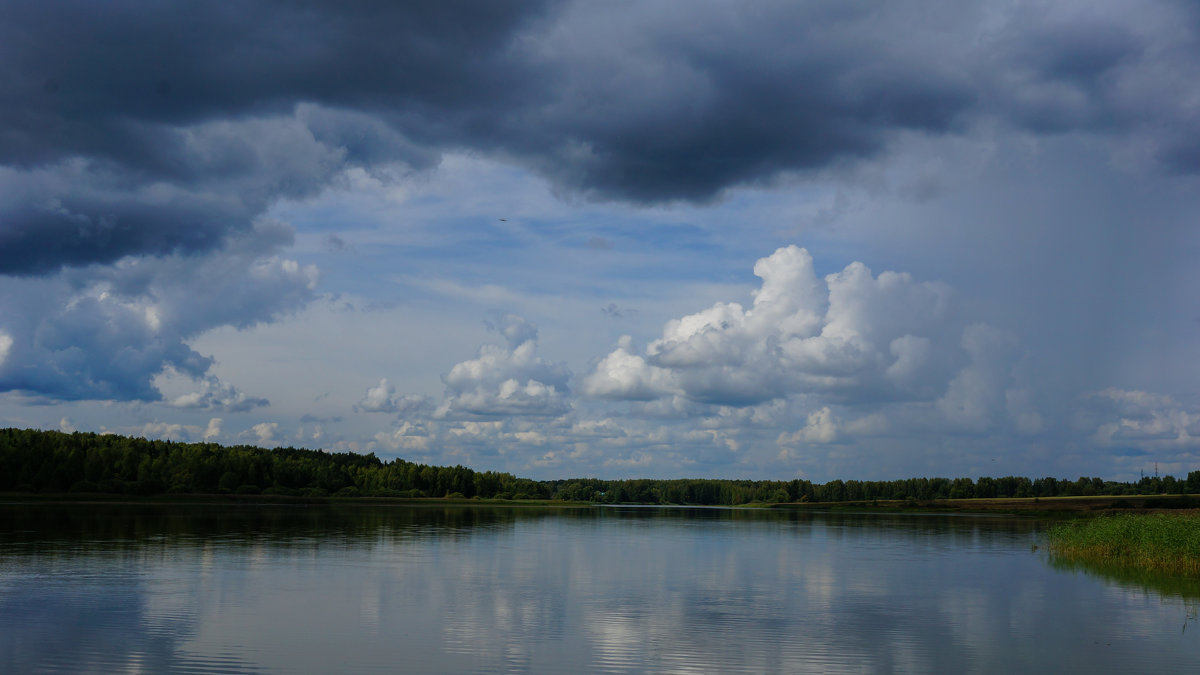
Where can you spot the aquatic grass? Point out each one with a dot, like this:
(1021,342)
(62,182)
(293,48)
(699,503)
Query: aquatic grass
(1158,542)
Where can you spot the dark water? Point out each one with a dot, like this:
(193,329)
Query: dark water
(613,590)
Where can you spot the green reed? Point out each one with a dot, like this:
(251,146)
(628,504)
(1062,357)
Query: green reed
(1156,541)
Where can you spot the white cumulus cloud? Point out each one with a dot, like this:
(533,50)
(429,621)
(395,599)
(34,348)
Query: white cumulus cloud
(1120,416)
(507,379)
(108,332)
(851,336)
(382,398)
(263,433)
(213,430)
(217,395)
(6,343)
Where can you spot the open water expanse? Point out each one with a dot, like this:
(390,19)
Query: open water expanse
(366,589)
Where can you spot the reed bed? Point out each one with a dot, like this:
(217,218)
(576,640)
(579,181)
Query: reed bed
(1160,542)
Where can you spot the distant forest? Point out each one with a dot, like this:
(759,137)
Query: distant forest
(36,461)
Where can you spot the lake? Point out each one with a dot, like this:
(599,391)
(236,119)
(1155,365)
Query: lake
(432,589)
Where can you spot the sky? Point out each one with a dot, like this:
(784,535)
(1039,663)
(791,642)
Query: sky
(821,239)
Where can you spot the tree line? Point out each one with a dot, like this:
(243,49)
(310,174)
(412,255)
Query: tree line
(54,462)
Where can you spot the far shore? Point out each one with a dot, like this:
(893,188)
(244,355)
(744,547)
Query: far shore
(203,499)
(1075,505)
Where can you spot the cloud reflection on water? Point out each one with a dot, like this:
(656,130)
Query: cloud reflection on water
(595,590)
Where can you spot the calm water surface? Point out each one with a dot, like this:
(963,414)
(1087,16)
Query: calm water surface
(215,589)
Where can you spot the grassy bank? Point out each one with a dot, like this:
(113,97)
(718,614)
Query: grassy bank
(1162,542)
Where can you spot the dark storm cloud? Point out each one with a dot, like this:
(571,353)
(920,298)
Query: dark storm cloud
(1064,76)
(130,97)
(650,107)
(86,76)
(148,126)
(72,231)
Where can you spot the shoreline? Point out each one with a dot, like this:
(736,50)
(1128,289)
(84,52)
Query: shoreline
(32,498)
(1082,506)
(1031,506)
